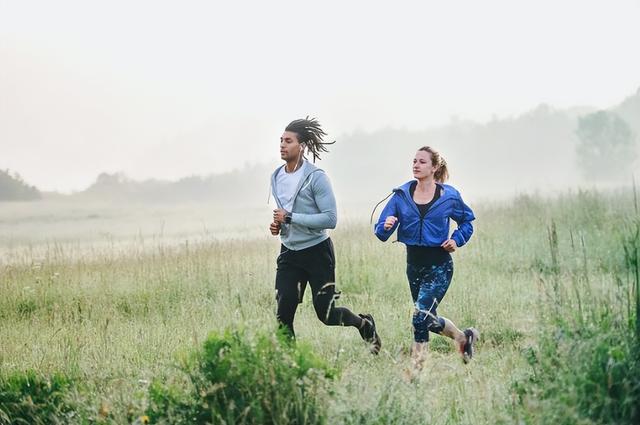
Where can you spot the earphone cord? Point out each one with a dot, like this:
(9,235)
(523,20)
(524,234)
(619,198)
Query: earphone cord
(374,208)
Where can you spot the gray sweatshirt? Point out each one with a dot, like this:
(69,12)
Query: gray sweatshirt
(314,209)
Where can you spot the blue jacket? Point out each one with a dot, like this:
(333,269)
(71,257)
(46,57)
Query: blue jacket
(433,230)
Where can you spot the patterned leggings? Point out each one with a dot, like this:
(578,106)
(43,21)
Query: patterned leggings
(428,286)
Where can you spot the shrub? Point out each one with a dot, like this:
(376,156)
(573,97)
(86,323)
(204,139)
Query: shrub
(587,369)
(236,379)
(28,398)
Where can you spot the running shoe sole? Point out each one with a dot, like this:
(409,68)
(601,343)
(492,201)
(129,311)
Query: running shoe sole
(466,349)
(374,338)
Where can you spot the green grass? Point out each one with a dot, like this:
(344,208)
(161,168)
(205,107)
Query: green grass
(249,379)
(120,316)
(33,399)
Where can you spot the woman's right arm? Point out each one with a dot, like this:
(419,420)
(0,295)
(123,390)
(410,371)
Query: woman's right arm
(391,209)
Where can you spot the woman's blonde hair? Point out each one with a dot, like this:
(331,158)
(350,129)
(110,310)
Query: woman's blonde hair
(442,173)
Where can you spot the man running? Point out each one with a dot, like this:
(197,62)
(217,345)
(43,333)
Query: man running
(306,209)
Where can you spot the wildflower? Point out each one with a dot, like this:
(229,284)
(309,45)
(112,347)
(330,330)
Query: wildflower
(104,410)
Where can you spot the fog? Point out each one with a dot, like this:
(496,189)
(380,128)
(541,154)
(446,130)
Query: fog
(167,90)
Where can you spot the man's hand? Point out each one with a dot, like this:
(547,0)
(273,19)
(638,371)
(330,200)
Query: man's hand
(278,215)
(274,228)
(389,222)
(449,245)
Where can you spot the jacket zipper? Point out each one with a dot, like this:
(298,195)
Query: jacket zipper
(422,217)
(411,202)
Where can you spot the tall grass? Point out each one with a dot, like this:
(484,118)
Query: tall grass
(586,365)
(545,280)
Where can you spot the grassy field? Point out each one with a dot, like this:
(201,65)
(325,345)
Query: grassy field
(116,314)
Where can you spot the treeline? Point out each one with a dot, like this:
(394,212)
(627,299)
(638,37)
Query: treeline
(545,149)
(240,186)
(14,188)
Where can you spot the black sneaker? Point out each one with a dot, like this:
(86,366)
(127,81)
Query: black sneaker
(466,349)
(369,334)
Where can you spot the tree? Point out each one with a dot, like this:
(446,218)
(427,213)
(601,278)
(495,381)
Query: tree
(13,188)
(606,148)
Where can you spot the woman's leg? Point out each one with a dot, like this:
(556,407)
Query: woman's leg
(433,285)
(428,287)
(416,276)
(418,354)
(450,330)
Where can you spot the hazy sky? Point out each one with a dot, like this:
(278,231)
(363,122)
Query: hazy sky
(167,89)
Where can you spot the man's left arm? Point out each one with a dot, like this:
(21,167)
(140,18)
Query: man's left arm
(327,218)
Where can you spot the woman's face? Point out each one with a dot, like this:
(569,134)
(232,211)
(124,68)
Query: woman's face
(422,166)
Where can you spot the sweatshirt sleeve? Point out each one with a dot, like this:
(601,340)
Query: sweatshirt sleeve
(327,218)
(463,216)
(390,209)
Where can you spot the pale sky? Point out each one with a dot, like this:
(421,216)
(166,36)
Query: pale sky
(170,89)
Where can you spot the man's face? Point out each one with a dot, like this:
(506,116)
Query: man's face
(289,146)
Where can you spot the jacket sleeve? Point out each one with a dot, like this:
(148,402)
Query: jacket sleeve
(390,209)
(463,216)
(327,218)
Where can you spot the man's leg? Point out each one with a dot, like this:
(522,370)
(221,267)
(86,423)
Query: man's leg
(324,296)
(321,269)
(286,311)
(290,284)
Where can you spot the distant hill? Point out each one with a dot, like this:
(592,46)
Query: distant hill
(505,156)
(240,186)
(532,152)
(13,188)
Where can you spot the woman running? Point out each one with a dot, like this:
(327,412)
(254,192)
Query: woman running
(420,210)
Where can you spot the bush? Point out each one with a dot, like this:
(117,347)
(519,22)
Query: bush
(587,369)
(580,377)
(236,379)
(28,398)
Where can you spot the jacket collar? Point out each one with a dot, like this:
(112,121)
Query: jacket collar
(406,186)
(446,192)
(307,169)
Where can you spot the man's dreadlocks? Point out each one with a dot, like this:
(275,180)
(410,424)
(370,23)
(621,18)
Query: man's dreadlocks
(311,135)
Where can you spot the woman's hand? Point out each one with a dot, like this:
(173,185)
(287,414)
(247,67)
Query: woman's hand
(449,245)
(274,228)
(389,222)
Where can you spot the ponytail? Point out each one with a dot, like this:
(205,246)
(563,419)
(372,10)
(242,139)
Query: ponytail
(442,173)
